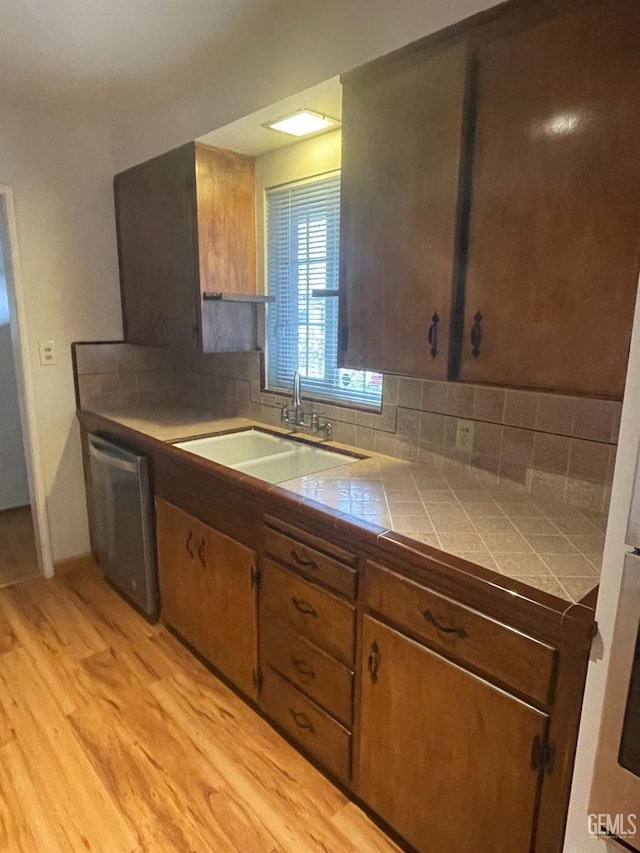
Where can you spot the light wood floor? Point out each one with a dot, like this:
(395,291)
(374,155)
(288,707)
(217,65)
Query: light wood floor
(114,738)
(18,559)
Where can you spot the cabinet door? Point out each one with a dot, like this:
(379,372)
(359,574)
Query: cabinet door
(180,578)
(226,204)
(157,247)
(208,594)
(229,610)
(554,244)
(401,145)
(444,757)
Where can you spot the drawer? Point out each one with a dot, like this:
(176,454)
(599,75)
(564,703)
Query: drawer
(317,615)
(318,733)
(524,663)
(311,670)
(310,562)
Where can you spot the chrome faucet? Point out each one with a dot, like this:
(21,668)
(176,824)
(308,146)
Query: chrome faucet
(296,402)
(294,414)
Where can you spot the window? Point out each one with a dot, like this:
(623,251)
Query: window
(303,237)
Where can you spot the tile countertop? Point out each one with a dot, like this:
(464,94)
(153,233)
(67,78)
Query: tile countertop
(547,544)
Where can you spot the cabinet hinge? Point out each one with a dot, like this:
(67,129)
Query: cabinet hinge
(344,338)
(256,677)
(543,754)
(255,577)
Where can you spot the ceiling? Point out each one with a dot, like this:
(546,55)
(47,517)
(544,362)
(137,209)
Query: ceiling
(92,58)
(249,137)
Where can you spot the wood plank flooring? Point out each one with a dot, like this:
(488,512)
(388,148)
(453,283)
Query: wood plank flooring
(114,738)
(18,559)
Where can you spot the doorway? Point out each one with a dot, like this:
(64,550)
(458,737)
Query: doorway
(24,536)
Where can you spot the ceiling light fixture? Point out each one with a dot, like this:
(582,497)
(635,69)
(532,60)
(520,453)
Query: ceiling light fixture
(302,123)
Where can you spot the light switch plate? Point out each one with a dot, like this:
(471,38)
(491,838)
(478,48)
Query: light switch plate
(464,436)
(47,350)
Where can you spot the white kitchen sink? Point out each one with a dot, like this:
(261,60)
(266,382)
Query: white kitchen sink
(272,458)
(237,447)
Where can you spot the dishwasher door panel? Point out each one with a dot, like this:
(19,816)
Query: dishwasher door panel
(124,522)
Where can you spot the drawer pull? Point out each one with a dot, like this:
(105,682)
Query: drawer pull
(303,668)
(303,607)
(374,661)
(307,564)
(187,544)
(302,721)
(444,629)
(201,553)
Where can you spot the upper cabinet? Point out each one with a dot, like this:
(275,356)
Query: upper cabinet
(491,202)
(226,216)
(401,144)
(186,233)
(554,239)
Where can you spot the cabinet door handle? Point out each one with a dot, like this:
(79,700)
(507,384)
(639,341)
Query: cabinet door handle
(303,668)
(307,564)
(373,662)
(303,607)
(187,544)
(444,629)
(476,335)
(302,721)
(201,553)
(432,334)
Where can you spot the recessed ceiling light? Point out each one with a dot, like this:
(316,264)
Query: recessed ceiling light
(302,123)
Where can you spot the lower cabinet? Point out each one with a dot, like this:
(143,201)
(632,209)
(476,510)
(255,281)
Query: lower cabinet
(207,587)
(307,642)
(444,756)
(447,723)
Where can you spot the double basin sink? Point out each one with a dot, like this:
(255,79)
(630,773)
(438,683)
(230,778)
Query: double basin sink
(272,458)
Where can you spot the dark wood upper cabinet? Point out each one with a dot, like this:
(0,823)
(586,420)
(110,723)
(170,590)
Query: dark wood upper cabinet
(489,176)
(444,757)
(401,146)
(554,232)
(186,227)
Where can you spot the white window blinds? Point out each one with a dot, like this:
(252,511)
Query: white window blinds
(303,238)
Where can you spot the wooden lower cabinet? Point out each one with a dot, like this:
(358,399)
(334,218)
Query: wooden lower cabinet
(208,593)
(307,643)
(400,702)
(444,756)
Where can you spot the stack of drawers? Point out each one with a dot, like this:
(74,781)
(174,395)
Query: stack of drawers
(307,642)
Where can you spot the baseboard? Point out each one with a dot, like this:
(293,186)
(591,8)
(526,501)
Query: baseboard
(83,561)
(9,509)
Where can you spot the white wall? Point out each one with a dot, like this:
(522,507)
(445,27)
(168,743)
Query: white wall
(14,486)
(61,178)
(287,46)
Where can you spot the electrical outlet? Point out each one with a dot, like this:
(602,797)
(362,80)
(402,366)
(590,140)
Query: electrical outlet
(464,436)
(47,351)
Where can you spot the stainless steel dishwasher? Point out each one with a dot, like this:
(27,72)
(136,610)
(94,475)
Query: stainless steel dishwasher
(123,522)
